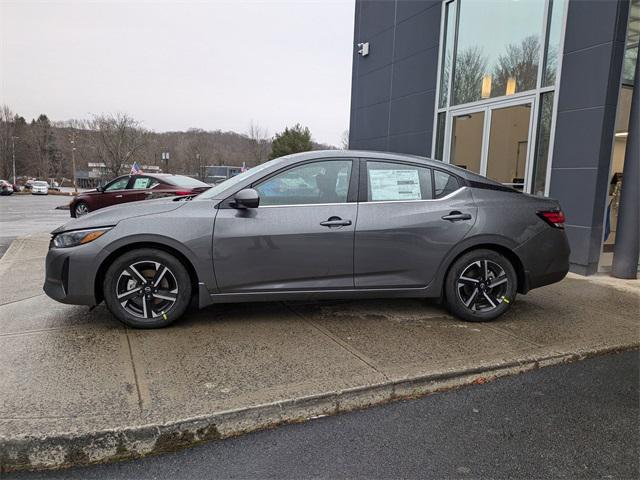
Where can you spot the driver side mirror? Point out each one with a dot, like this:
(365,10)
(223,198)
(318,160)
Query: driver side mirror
(246,198)
(100,189)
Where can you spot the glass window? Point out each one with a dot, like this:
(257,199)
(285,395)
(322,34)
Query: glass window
(466,141)
(444,183)
(439,150)
(508,145)
(556,15)
(542,144)
(311,183)
(141,183)
(447,53)
(498,48)
(631,48)
(396,182)
(117,184)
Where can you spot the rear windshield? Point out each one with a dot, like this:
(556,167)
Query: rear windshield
(182,181)
(41,184)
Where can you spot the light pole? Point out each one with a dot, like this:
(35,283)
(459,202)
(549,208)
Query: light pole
(13,148)
(72,140)
(165,157)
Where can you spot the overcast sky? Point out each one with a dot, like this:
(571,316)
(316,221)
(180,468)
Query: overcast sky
(179,65)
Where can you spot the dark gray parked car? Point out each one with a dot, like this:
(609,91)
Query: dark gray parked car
(324,224)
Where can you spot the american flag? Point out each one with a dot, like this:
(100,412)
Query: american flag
(135,169)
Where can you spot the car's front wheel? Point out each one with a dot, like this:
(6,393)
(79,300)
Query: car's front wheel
(81,209)
(480,286)
(147,288)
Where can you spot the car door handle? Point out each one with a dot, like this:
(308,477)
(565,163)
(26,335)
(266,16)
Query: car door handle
(455,216)
(118,196)
(335,222)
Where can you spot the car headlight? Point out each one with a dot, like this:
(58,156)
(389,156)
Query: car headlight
(78,237)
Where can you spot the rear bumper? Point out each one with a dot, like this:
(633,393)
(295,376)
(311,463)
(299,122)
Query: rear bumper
(545,258)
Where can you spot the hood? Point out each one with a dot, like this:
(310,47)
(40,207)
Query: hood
(112,215)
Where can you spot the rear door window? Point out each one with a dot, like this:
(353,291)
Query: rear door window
(398,182)
(141,183)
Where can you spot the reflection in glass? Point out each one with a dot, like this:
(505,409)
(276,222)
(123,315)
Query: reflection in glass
(439,150)
(498,48)
(466,141)
(631,48)
(447,54)
(508,144)
(542,144)
(556,15)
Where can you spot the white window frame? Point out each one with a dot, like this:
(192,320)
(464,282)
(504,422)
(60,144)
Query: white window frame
(487,105)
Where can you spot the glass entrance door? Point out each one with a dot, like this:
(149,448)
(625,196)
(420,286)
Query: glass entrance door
(509,145)
(494,141)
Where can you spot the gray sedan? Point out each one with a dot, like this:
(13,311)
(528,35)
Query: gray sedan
(315,225)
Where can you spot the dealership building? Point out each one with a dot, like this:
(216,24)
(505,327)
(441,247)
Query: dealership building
(535,94)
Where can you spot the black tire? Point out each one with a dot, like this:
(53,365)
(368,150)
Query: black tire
(147,303)
(481,285)
(80,209)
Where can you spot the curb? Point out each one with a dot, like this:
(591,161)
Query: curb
(67,450)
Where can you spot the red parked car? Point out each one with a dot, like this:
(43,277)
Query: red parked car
(132,188)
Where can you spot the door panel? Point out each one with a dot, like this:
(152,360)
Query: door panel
(401,244)
(284,248)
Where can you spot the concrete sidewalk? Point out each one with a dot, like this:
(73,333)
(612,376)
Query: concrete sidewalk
(77,387)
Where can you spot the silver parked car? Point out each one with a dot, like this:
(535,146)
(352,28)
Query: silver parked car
(315,225)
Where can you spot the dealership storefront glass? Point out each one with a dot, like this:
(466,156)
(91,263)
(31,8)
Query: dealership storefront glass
(497,77)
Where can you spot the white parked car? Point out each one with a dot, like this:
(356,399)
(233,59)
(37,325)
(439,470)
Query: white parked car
(40,187)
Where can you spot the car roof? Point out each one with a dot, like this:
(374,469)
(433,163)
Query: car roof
(378,155)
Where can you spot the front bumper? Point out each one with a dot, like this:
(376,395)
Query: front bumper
(70,274)
(545,258)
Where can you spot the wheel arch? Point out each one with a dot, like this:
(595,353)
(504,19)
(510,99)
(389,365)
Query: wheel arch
(497,245)
(106,263)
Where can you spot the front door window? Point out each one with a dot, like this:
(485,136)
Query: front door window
(308,184)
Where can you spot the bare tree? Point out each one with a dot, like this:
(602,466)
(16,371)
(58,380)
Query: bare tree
(118,140)
(519,62)
(6,132)
(471,64)
(344,140)
(260,137)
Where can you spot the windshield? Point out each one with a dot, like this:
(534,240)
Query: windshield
(183,181)
(213,191)
(41,184)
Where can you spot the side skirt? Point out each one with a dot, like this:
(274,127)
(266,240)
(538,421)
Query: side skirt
(426,292)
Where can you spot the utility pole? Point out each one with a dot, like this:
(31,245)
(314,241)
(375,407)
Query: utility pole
(73,159)
(13,148)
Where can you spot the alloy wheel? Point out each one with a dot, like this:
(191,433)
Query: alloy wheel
(482,286)
(147,289)
(81,209)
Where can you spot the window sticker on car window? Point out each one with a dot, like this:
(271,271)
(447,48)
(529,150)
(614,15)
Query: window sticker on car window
(394,185)
(140,183)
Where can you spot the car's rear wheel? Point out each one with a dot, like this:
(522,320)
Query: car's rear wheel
(480,286)
(147,288)
(81,209)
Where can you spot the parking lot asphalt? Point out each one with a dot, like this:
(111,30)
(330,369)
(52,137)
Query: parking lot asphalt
(78,387)
(578,420)
(25,214)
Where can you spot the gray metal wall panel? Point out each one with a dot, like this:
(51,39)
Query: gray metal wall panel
(403,38)
(591,68)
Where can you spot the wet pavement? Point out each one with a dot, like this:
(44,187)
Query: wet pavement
(78,387)
(25,214)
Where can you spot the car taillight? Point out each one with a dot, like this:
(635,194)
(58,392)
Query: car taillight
(183,192)
(555,218)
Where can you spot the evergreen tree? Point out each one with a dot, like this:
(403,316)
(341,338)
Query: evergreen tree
(292,140)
